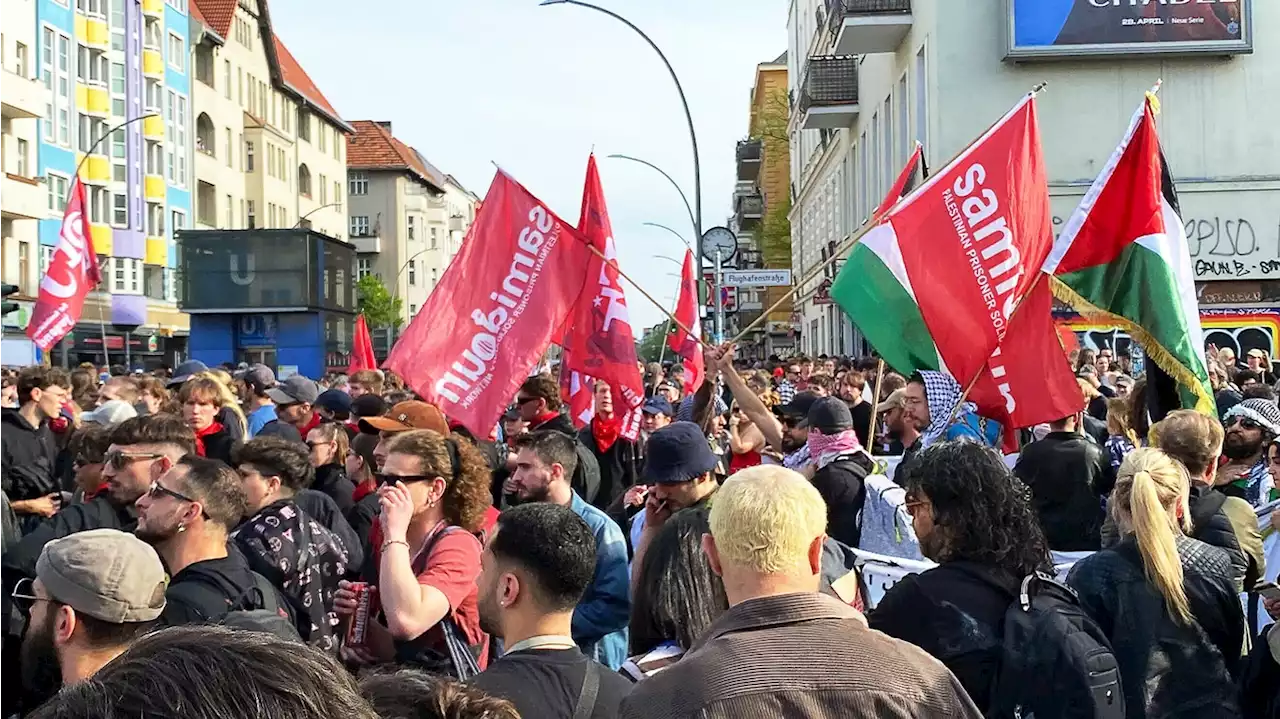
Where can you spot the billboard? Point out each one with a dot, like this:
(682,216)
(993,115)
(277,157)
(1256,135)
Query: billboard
(1074,28)
(264,270)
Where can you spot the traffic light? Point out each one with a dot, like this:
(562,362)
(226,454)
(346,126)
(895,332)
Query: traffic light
(8,306)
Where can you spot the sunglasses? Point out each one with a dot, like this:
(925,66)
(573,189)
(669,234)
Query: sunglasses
(24,596)
(313,445)
(119,460)
(522,401)
(1244,422)
(391,479)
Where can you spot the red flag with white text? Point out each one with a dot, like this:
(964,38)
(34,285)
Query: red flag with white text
(683,343)
(597,338)
(73,272)
(515,280)
(361,348)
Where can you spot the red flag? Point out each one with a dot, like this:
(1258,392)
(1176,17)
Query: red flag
(683,343)
(515,280)
(73,271)
(597,338)
(362,348)
(906,182)
(576,392)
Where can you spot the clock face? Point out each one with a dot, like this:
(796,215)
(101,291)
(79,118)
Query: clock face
(719,240)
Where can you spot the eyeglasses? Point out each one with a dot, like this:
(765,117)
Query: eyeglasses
(157,491)
(24,596)
(313,445)
(522,401)
(1244,422)
(390,479)
(119,459)
(911,506)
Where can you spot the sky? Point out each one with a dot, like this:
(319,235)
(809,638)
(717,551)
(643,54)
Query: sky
(470,83)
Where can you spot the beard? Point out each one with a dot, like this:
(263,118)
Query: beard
(155,534)
(41,672)
(490,613)
(1235,446)
(534,494)
(791,444)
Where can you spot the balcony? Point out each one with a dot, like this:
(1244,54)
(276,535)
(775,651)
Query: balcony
(157,252)
(23,97)
(153,188)
(748,208)
(749,153)
(455,223)
(153,7)
(868,27)
(152,63)
(24,198)
(95,169)
(206,204)
(367,244)
(153,127)
(94,99)
(103,239)
(829,92)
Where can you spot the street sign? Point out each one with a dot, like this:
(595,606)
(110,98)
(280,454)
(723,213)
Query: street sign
(757,278)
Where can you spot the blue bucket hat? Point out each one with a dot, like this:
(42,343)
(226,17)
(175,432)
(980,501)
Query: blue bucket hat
(677,453)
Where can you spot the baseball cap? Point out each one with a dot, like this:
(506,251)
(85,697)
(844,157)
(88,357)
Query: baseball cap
(294,390)
(405,416)
(258,376)
(1255,352)
(368,405)
(107,574)
(658,405)
(829,415)
(677,453)
(110,413)
(895,400)
(334,400)
(798,406)
(186,370)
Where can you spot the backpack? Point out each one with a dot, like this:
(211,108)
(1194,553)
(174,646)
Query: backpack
(1055,662)
(886,525)
(257,610)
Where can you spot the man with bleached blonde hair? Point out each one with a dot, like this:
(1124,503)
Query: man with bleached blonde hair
(782,649)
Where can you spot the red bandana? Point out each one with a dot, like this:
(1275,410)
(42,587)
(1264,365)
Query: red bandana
(213,428)
(315,422)
(543,419)
(606,431)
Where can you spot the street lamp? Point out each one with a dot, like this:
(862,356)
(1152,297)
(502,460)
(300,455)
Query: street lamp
(693,136)
(668,259)
(692,220)
(304,217)
(668,229)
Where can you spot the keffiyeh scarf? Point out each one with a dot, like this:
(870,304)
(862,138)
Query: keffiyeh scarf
(943,394)
(826,448)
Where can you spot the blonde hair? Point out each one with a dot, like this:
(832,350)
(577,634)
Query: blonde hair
(226,397)
(765,518)
(1149,487)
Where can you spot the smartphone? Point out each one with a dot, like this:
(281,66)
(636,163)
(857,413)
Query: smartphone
(1269,590)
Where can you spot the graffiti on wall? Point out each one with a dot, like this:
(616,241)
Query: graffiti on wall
(1241,330)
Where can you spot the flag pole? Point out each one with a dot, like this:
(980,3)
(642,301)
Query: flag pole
(856,236)
(670,315)
(875,401)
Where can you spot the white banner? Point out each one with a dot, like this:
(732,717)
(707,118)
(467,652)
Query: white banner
(756,278)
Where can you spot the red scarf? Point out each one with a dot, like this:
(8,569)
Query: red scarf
(102,487)
(213,428)
(543,419)
(364,489)
(315,422)
(606,431)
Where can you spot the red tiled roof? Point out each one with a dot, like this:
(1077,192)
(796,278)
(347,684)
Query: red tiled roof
(216,14)
(373,147)
(297,79)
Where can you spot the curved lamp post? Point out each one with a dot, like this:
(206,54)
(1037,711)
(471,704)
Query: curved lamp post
(668,229)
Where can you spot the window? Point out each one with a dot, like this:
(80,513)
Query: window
(240,87)
(20,63)
(154,97)
(176,59)
(176,139)
(337,195)
(179,5)
(413,273)
(324,190)
(23,154)
(55,73)
(359,225)
(117,26)
(119,209)
(434,235)
(179,220)
(98,198)
(304,181)
(434,272)
(357,183)
(904,121)
(24,265)
(409,224)
(204,62)
(151,34)
(117,89)
(248,156)
(364,267)
(58,185)
(922,103)
(155,158)
(252,220)
(413,310)
(304,124)
(321,135)
(227,147)
(226,79)
(155,220)
(228,219)
(271,214)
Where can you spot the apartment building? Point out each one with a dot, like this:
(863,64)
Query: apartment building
(118,108)
(407,217)
(869,78)
(22,198)
(761,203)
(270,149)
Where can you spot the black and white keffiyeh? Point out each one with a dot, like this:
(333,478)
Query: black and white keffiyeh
(1262,411)
(943,394)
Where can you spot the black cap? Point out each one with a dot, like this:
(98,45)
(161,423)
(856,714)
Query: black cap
(798,406)
(368,405)
(829,415)
(677,453)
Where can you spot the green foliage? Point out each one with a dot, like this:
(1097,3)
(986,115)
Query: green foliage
(375,301)
(649,348)
(775,235)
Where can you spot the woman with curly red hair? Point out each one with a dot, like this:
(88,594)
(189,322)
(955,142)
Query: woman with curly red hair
(434,491)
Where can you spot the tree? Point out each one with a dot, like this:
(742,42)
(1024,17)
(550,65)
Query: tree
(374,300)
(770,126)
(649,348)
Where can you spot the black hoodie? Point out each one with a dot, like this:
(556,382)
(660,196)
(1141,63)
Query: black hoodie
(586,476)
(203,592)
(28,457)
(331,479)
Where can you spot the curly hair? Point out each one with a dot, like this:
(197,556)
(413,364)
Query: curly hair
(981,512)
(460,464)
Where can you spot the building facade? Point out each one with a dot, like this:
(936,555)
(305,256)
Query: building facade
(118,67)
(869,78)
(761,204)
(407,217)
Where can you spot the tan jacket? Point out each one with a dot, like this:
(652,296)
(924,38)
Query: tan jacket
(799,655)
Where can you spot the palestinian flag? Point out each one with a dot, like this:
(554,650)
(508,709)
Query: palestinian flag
(1123,259)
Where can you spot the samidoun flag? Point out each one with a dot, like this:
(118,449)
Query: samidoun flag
(597,339)
(517,276)
(934,286)
(73,271)
(1123,259)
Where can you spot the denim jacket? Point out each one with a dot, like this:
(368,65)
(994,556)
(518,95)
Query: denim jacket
(600,619)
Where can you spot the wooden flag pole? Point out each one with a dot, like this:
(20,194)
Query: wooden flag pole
(670,315)
(875,402)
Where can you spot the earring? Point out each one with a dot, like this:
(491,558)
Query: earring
(182,528)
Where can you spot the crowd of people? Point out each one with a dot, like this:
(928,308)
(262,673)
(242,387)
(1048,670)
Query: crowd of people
(199,541)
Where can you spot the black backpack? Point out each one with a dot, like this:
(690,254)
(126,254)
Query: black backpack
(1055,662)
(258,610)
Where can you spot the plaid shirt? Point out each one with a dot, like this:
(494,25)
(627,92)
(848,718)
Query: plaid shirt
(786,391)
